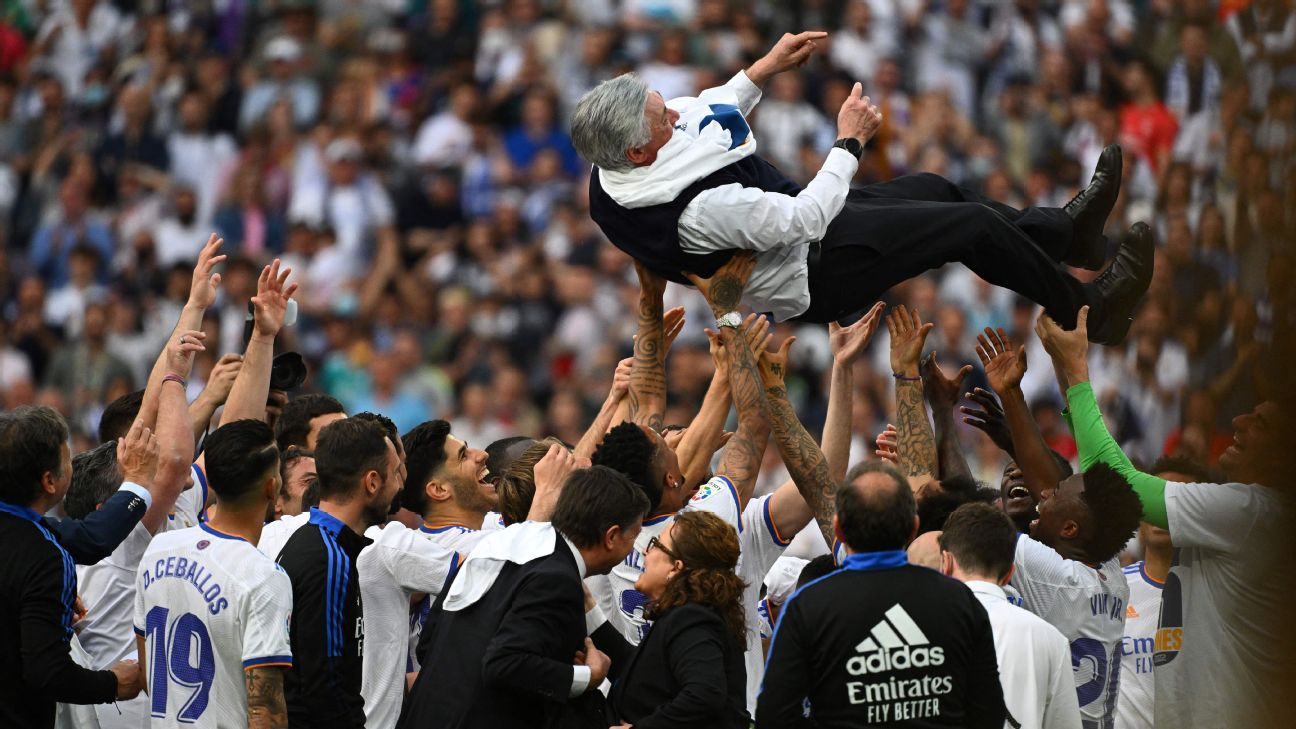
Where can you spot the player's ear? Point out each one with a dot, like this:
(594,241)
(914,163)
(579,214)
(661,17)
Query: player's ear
(1070,529)
(270,489)
(436,490)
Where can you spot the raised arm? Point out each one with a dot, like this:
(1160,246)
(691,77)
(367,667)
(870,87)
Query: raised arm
(1005,365)
(942,395)
(174,432)
(672,325)
(215,393)
(251,390)
(699,442)
(847,343)
(1069,350)
(603,420)
(647,394)
(742,457)
(791,51)
(916,444)
(202,294)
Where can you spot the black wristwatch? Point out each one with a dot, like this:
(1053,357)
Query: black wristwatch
(852,145)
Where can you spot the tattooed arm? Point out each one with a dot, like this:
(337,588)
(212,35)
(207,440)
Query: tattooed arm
(943,394)
(916,444)
(646,398)
(741,459)
(265,698)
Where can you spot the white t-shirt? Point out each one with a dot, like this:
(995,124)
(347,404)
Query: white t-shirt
(1034,663)
(211,606)
(399,563)
(1224,639)
(1134,705)
(276,534)
(108,591)
(1087,606)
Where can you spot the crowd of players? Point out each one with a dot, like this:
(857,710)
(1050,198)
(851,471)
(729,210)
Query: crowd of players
(330,571)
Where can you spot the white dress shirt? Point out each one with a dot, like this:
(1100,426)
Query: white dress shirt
(779,227)
(1034,663)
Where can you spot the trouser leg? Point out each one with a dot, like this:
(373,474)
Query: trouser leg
(1050,228)
(876,243)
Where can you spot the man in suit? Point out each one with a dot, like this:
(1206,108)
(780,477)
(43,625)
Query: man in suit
(506,646)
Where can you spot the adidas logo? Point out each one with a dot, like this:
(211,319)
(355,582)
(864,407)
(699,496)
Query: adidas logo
(1130,612)
(895,643)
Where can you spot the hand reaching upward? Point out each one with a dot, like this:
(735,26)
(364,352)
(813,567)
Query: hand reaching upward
(1004,361)
(271,300)
(848,342)
(908,334)
(203,286)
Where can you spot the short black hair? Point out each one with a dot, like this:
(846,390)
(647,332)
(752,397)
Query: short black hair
(876,520)
(1114,508)
(293,425)
(628,450)
(239,456)
(937,504)
(1187,466)
(594,500)
(497,454)
(1063,464)
(822,565)
(95,477)
(424,454)
(31,444)
(393,435)
(982,539)
(117,418)
(346,451)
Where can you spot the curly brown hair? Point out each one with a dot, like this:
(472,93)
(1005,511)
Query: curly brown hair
(708,547)
(516,488)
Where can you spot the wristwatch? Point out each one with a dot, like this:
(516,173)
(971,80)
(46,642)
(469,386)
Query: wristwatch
(852,145)
(732,319)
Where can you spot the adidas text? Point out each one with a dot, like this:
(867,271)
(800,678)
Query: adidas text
(896,659)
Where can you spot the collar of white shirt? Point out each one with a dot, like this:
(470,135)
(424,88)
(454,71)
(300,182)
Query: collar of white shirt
(580,561)
(989,589)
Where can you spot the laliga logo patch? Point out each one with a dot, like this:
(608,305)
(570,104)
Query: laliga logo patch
(707,489)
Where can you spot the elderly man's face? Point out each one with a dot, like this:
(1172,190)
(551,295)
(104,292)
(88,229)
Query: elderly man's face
(662,123)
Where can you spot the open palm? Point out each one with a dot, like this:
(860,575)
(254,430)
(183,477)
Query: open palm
(1003,360)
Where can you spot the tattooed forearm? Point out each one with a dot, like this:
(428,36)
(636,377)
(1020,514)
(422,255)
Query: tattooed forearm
(647,395)
(265,698)
(915,443)
(743,455)
(804,460)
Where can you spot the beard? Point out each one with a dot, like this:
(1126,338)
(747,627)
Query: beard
(375,513)
(469,496)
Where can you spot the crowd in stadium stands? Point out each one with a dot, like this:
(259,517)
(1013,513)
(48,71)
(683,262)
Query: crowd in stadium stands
(389,188)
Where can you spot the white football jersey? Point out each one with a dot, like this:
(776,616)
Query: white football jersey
(191,505)
(210,606)
(455,537)
(399,563)
(1137,699)
(1087,606)
(276,534)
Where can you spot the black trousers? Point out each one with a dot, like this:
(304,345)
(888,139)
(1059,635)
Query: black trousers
(892,231)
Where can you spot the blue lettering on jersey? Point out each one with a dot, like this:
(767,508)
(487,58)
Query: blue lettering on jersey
(1110,605)
(192,572)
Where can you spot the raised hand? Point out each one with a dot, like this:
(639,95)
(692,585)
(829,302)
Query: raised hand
(773,365)
(1069,349)
(1004,361)
(792,50)
(203,286)
(942,392)
(621,377)
(989,419)
(137,455)
(886,445)
(724,290)
(908,334)
(858,118)
(222,377)
(672,325)
(848,342)
(181,352)
(271,300)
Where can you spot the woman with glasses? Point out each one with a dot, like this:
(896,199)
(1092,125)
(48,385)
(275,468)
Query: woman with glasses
(688,671)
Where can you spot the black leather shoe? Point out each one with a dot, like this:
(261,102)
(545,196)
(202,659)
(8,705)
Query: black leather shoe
(1122,285)
(1089,210)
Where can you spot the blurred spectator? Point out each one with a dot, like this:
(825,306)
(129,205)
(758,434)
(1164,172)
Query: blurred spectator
(1195,81)
(72,224)
(283,84)
(1147,126)
(83,372)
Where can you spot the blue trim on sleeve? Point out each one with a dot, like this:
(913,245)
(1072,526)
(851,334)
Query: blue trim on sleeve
(267,661)
(138,631)
(201,478)
(773,530)
(733,491)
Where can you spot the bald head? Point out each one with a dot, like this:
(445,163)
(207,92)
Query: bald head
(876,510)
(925,550)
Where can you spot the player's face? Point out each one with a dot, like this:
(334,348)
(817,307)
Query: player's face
(317,424)
(465,469)
(301,474)
(1015,497)
(1258,451)
(659,565)
(1059,512)
(673,495)
(393,481)
(662,123)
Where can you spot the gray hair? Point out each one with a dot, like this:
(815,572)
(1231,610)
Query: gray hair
(609,119)
(95,477)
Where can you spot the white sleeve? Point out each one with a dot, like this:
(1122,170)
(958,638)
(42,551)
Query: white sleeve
(748,93)
(1216,516)
(416,563)
(719,497)
(1061,705)
(759,541)
(265,623)
(139,603)
(733,216)
(1039,570)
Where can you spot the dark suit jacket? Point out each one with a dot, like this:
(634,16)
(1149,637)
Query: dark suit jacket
(688,672)
(91,539)
(506,660)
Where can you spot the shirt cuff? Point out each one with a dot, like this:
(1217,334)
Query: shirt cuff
(139,491)
(593,619)
(580,680)
(841,163)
